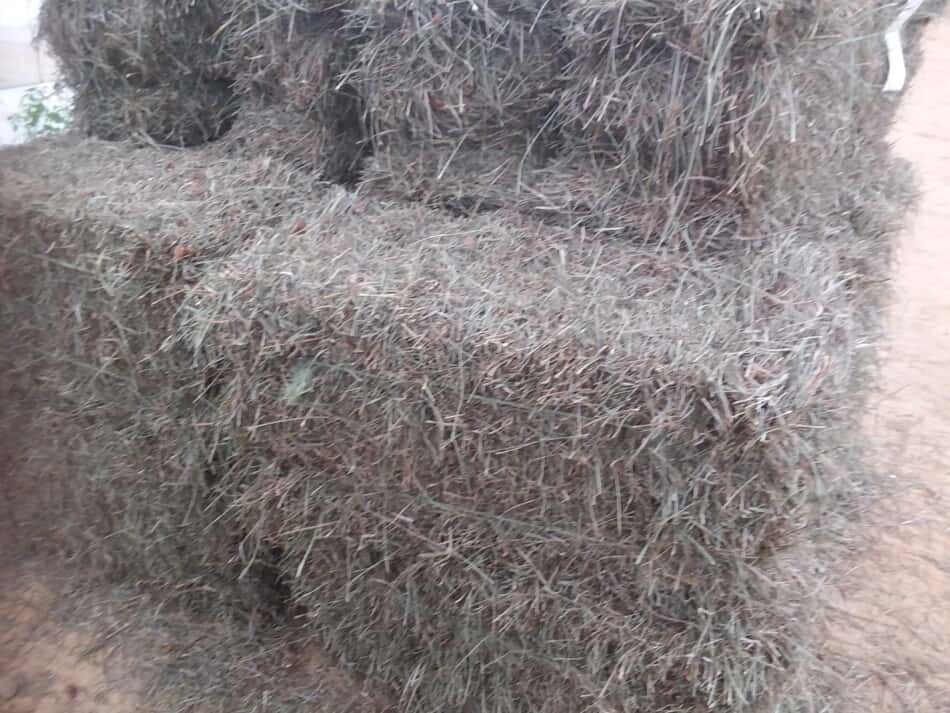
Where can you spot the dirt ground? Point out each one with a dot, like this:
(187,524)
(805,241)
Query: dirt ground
(897,609)
(896,612)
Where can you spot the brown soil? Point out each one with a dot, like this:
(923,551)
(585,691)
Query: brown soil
(47,667)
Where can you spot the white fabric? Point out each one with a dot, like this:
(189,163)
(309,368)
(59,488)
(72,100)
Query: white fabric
(897,74)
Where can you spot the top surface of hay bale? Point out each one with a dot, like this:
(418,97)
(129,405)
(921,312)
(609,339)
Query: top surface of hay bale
(203,200)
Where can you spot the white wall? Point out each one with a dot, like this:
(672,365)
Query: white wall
(21,65)
(17,13)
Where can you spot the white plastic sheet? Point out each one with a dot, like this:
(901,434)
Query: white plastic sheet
(897,72)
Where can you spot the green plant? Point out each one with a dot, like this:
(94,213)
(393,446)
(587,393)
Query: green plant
(43,111)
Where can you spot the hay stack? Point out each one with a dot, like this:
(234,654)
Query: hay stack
(501,475)
(478,452)
(670,122)
(504,464)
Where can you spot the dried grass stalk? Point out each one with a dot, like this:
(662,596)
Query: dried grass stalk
(142,68)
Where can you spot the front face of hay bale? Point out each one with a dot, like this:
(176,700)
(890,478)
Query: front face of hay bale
(286,63)
(188,112)
(670,89)
(442,77)
(708,101)
(502,477)
(141,68)
(112,228)
(138,41)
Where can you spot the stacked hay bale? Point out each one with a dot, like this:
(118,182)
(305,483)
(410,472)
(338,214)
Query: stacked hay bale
(182,73)
(141,68)
(506,464)
(477,452)
(646,120)
(458,95)
(286,60)
(502,475)
(105,244)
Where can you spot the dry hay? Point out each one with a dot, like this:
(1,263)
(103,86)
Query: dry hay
(141,68)
(477,452)
(624,118)
(114,237)
(492,442)
(431,70)
(188,112)
(668,115)
(287,60)
(499,463)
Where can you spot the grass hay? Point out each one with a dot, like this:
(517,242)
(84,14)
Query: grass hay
(475,451)
(141,69)
(287,61)
(674,122)
(501,464)
(445,85)
(433,71)
(114,236)
(469,418)
(188,112)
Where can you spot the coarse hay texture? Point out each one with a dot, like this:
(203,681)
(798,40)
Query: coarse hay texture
(142,68)
(454,89)
(186,112)
(472,178)
(696,94)
(265,130)
(472,417)
(284,52)
(287,61)
(676,114)
(430,70)
(502,464)
(626,118)
(495,463)
(139,41)
(109,238)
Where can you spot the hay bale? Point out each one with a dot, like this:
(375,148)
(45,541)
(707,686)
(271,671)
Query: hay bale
(687,100)
(675,123)
(115,237)
(477,450)
(142,68)
(440,80)
(443,70)
(287,61)
(501,475)
(187,112)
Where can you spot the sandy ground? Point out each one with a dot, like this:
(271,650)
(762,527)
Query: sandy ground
(898,607)
(47,668)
